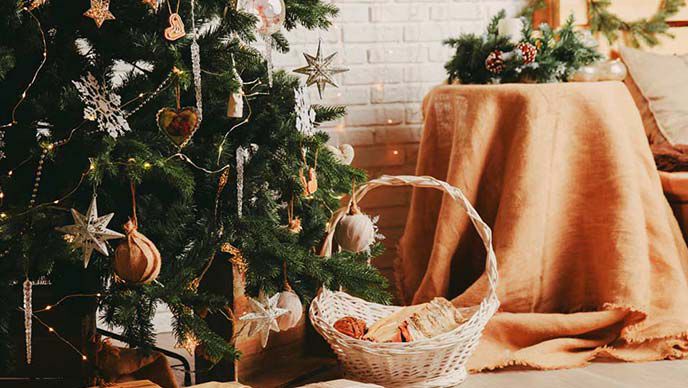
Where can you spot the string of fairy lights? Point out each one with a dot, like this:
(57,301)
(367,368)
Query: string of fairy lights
(51,329)
(48,147)
(24,94)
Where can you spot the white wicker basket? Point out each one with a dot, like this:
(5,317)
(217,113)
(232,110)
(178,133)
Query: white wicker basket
(434,362)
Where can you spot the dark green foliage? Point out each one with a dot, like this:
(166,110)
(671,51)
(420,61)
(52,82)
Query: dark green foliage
(559,53)
(179,206)
(643,31)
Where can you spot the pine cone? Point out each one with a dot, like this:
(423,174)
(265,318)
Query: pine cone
(494,62)
(528,52)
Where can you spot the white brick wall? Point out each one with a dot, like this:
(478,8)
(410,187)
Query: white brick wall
(395,53)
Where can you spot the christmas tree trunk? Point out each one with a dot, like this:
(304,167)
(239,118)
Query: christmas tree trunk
(144,142)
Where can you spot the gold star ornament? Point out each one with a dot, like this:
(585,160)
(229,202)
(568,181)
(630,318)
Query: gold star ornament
(151,3)
(33,4)
(320,70)
(99,12)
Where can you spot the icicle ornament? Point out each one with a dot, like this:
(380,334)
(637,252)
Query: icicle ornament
(268,56)
(28,314)
(2,145)
(196,64)
(243,156)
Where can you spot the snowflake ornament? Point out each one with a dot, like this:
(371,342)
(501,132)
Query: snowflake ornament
(102,106)
(263,317)
(305,115)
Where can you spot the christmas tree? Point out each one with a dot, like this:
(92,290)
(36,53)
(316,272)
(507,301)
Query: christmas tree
(136,106)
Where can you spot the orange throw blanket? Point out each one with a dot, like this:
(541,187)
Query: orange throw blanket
(591,260)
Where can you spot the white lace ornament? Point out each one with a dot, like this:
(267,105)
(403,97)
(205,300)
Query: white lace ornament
(102,106)
(305,115)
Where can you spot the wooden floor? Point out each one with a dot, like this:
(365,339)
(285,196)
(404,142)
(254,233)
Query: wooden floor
(661,374)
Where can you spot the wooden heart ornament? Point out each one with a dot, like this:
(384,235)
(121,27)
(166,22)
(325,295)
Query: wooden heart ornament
(176,28)
(310,182)
(178,124)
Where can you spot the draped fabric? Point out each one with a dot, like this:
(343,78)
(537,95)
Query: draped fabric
(592,262)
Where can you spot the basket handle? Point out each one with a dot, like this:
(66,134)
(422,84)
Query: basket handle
(455,193)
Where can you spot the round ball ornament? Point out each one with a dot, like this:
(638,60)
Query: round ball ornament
(590,73)
(291,302)
(355,232)
(494,62)
(270,14)
(137,260)
(528,52)
(613,71)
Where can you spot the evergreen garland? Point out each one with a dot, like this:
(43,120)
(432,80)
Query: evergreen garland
(560,52)
(644,30)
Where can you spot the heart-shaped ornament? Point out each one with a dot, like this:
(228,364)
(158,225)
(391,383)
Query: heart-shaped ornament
(178,124)
(176,28)
(344,153)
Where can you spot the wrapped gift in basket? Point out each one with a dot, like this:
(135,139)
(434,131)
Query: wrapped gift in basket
(439,361)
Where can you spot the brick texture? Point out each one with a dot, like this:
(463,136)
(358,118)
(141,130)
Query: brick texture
(395,54)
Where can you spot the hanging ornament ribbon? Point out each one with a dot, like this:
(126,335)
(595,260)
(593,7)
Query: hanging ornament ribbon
(196,64)
(28,314)
(309,180)
(243,156)
(293,223)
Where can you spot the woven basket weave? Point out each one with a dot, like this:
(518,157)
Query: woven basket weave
(433,362)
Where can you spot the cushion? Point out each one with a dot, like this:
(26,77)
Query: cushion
(658,84)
